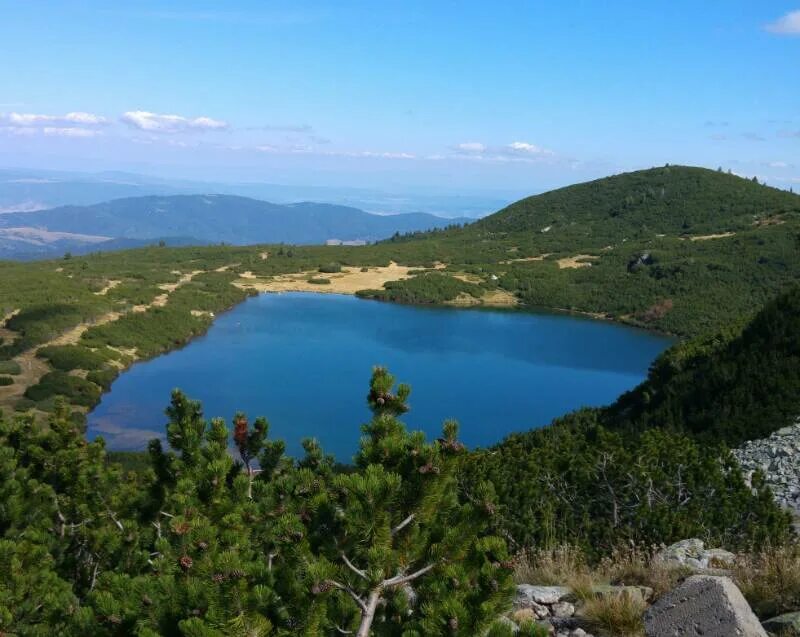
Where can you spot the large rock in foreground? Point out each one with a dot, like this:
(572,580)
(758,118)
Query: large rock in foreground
(703,605)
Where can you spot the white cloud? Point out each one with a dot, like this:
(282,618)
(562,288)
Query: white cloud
(778,164)
(37,119)
(50,131)
(530,149)
(471,147)
(513,152)
(69,131)
(156,123)
(786,25)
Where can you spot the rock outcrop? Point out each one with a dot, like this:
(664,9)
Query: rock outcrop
(692,553)
(703,605)
(779,458)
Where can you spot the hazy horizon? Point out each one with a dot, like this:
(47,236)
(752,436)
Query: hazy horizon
(513,99)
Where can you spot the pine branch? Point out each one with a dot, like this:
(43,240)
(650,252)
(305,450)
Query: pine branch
(349,591)
(353,568)
(403,524)
(399,580)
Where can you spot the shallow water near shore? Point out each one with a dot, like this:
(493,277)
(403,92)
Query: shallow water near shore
(303,360)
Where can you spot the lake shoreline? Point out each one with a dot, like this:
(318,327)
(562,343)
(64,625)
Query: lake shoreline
(279,343)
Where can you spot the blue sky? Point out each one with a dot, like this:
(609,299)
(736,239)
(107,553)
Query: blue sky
(474,96)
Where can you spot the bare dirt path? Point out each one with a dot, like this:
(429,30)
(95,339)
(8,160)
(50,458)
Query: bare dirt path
(33,368)
(578,261)
(707,237)
(110,285)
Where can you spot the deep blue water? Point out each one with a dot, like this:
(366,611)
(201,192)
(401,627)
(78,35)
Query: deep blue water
(304,360)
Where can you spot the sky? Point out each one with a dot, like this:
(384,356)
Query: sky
(459,96)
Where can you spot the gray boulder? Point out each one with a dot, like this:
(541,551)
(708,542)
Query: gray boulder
(692,553)
(703,605)
(528,594)
(787,625)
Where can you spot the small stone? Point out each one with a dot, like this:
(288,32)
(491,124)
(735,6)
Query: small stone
(719,558)
(562,609)
(679,552)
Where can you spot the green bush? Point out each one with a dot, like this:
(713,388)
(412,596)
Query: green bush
(427,288)
(6,380)
(24,404)
(103,377)
(69,357)
(10,368)
(319,280)
(78,391)
(330,268)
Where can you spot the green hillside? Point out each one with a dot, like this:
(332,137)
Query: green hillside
(684,250)
(673,200)
(647,468)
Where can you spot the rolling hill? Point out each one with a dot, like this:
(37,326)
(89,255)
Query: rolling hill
(673,200)
(682,249)
(204,218)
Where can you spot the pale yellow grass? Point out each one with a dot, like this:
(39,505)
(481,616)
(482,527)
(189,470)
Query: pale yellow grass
(708,237)
(541,257)
(348,281)
(110,285)
(495,298)
(578,261)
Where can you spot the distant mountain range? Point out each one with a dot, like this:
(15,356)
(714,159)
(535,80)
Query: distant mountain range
(196,219)
(23,189)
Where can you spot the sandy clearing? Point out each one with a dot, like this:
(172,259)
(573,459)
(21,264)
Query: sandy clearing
(495,298)
(775,220)
(264,256)
(5,333)
(247,275)
(467,278)
(578,261)
(541,257)
(225,268)
(348,281)
(110,285)
(707,237)
(73,335)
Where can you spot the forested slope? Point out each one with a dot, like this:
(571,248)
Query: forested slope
(647,468)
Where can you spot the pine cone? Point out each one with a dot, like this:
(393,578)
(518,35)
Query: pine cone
(186,562)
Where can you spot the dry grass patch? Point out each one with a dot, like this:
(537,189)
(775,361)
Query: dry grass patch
(616,615)
(578,261)
(770,580)
(637,566)
(550,567)
(708,237)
